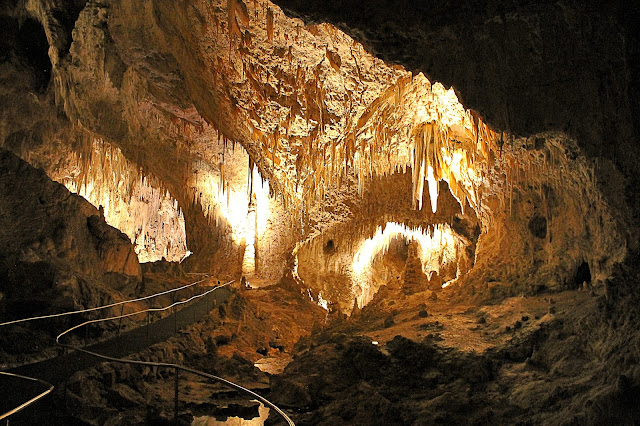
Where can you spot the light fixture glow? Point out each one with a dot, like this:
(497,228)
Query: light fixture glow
(438,247)
(130,202)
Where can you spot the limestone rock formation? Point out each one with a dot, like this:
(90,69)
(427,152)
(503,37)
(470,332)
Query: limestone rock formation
(114,248)
(527,67)
(57,253)
(362,154)
(414,279)
(324,122)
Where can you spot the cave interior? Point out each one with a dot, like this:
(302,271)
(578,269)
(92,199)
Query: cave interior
(427,213)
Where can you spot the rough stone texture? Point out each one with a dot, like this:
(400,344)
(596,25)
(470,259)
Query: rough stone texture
(226,344)
(570,66)
(527,66)
(346,141)
(449,367)
(327,268)
(414,279)
(315,111)
(56,251)
(49,141)
(113,248)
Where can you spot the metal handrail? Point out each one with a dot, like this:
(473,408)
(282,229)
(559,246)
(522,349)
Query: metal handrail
(177,367)
(181,302)
(188,370)
(171,365)
(50,387)
(98,308)
(32,400)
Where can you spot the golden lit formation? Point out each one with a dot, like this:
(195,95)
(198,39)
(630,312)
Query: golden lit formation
(149,216)
(234,197)
(438,247)
(289,125)
(279,193)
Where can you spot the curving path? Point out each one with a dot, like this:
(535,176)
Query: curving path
(13,392)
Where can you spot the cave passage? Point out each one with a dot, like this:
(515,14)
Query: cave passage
(404,248)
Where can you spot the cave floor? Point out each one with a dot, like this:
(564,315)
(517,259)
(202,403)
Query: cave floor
(472,328)
(435,358)
(450,323)
(286,335)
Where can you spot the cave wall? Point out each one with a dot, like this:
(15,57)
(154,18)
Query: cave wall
(98,97)
(169,83)
(527,68)
(540,218)
(553,219)
(326,257)
(57,252)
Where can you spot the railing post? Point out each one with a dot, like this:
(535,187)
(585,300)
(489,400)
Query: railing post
(148,327)
(175,320)
(120,320)
(64,395)
(175,400)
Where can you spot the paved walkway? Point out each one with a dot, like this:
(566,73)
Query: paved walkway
(56,370)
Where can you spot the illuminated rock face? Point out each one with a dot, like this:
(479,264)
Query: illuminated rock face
(150,217)
(529,68)
(331,130)
(349,260)
(436,251)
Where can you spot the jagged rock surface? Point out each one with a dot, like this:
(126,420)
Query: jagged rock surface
(57,252)
(315,111)
(527,67)
(350,143)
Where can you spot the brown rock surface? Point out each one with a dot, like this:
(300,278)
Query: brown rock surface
(329,125)
(56,251)
(538,190)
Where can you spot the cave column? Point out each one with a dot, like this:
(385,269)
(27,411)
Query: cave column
(249,258)
(414,278)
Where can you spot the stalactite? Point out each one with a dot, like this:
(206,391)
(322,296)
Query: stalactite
(107,179)
(269,24)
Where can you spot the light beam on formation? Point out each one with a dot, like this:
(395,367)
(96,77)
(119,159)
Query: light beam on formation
(433,189)
(227,204)
(249,257)
(130,201)
(438,247)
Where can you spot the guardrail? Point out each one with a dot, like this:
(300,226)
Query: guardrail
(29,402)
(176,367)
(110,305)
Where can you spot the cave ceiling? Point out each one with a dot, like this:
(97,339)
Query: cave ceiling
(334,124)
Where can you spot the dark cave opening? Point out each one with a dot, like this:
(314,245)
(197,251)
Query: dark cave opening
(32,45)
(67,18)
(538,227)
(582,275)
(329,247)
